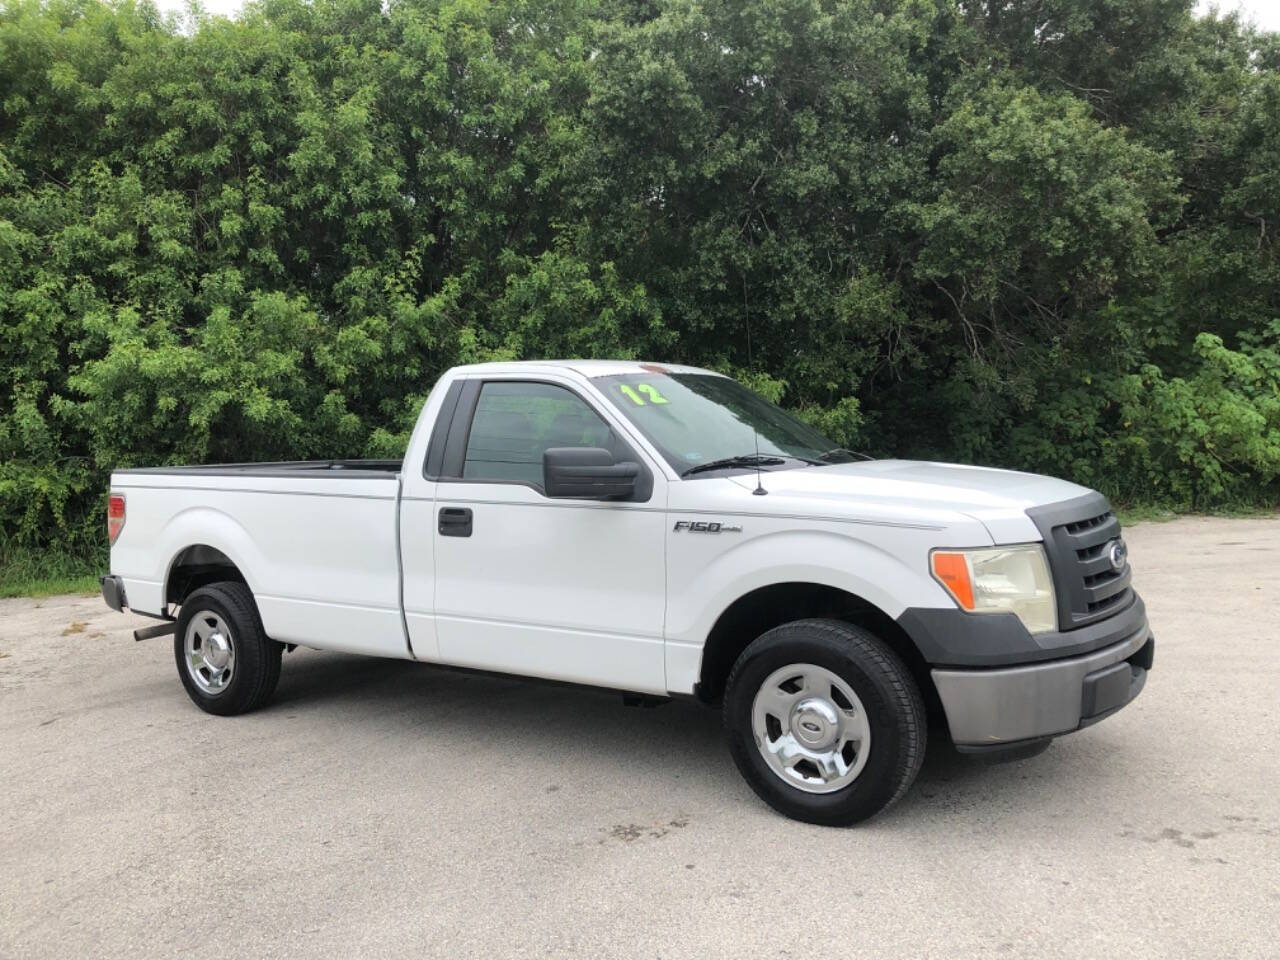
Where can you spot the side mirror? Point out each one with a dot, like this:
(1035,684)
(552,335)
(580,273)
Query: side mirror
(587,473)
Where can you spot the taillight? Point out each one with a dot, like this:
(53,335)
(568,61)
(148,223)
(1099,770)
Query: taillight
(115,516)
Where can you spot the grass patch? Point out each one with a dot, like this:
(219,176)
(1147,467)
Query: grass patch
(48,586)
(1141,513)
(28,572)
(1128,516)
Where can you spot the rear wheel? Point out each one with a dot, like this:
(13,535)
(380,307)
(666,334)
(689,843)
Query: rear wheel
(227,663)
(825,722)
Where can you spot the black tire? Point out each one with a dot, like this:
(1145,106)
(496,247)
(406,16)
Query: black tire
(894,712)
(257,657)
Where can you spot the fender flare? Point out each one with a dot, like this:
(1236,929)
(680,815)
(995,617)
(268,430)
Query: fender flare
(210,527)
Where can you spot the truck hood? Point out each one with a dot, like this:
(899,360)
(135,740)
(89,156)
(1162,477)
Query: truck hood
(920,489)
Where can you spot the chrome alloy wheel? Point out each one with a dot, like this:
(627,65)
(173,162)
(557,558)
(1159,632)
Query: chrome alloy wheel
(811,728)
(210,652)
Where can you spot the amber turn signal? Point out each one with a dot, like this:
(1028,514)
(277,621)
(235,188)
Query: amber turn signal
(952,570)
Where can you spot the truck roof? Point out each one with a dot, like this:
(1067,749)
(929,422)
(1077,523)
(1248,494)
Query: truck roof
(588,368)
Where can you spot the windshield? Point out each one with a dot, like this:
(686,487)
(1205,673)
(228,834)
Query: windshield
(697,418)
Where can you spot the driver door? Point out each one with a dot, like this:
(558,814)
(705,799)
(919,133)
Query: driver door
(570,589)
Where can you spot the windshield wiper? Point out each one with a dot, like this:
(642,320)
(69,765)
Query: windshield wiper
(744,460)
(856,454)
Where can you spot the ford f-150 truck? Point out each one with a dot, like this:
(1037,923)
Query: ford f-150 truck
(662,531)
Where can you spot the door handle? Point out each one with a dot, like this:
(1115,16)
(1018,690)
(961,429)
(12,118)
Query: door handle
(455,522)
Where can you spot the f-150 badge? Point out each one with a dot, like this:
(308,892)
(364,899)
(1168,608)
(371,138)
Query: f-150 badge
(704,526)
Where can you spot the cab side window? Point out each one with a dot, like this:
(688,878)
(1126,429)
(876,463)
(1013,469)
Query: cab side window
(516,422)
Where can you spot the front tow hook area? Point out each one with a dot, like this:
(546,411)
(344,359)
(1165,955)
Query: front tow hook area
(1107,690)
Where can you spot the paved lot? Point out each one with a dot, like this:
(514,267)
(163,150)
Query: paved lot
(392,809)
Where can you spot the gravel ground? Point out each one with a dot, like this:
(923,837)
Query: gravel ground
(380,808)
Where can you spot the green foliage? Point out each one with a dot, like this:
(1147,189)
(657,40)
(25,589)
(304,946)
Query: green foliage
(73,567)
(1210,437)
(1036,234)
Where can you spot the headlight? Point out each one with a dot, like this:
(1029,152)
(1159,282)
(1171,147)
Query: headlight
(1001,580)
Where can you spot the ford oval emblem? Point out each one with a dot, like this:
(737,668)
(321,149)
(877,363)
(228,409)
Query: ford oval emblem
(1117,553)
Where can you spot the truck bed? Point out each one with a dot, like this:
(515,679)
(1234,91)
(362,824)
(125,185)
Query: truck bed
(314,469)
(315,540)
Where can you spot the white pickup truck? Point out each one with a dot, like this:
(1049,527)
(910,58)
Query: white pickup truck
(662,531)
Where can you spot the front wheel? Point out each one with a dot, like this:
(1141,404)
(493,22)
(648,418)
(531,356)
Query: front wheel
(227,663)
(825,722)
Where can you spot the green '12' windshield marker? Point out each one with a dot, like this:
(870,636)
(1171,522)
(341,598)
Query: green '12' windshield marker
(631,395)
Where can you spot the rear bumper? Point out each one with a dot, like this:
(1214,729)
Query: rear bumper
(1011,706)
(113,592)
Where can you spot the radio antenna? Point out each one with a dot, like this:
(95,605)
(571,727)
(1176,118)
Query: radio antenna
(759,491)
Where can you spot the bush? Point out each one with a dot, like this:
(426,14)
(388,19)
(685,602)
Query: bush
(1213,437)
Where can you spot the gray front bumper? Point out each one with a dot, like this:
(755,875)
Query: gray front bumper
(988,708)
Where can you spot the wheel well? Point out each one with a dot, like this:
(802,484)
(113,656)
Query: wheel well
(195,567)
(767,607)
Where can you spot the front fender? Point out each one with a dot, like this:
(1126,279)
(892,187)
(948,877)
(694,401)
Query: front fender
(885,566)
(697,597)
